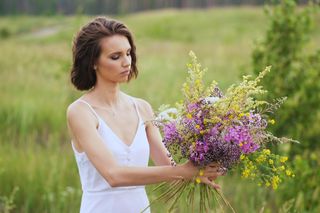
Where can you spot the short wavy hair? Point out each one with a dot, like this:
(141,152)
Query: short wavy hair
(87,49)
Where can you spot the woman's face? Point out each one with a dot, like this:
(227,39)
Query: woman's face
(114,62)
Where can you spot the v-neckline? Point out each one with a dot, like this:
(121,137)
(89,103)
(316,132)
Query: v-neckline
(117,137)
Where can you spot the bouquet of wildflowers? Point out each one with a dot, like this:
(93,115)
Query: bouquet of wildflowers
(229,129)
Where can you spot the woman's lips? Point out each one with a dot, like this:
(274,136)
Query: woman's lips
(126,72)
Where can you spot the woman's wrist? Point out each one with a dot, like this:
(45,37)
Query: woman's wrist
(187,170)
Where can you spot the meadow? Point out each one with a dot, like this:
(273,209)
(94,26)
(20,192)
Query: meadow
(37,168)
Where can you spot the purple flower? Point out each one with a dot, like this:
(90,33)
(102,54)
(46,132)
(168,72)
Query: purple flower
(254,120)
(213,148)
(198,151)
(225,153)
(192,107)
(192,125)
(171,133)
(242,137)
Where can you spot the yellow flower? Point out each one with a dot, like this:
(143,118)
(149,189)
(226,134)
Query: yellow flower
(275,182)
(240,144)
(271,162)
(274,186)
(193,143)
(189,116)
(272,121)
(241,115)
(283,159)
(246,173)
(202,132)
(198,126)
(288,172)
(201,172)
(261,158)
(267,183)
(236,107)
(242,157)
(276,178)
(198,180)
(266,151)
(282,168)
(274,169)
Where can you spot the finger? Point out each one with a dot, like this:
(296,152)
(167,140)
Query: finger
(225,172)
(215,164)
(212,178)
(222,170)
(215,185)
(209,172)
(211,183)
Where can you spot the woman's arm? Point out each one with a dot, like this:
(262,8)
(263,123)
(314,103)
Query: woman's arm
(158,151)
(82,125)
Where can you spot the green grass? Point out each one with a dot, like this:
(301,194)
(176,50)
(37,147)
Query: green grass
(35,154)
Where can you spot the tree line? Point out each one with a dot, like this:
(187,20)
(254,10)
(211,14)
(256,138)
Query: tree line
(114,7)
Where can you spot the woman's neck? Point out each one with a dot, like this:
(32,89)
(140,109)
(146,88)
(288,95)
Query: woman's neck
(107,94)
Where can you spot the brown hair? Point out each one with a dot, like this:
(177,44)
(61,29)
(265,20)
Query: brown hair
(86,50)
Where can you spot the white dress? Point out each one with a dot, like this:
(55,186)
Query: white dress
(98,196)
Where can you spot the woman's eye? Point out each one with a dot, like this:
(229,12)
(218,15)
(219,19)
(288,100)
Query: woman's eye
(115,57)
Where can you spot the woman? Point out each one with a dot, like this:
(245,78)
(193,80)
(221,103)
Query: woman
(110,138)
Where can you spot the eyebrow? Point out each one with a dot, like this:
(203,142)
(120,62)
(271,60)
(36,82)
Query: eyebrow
(119,52)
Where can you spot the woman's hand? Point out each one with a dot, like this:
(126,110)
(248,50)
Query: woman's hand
(213,170)
(210,182)
(220,171)
(189,170)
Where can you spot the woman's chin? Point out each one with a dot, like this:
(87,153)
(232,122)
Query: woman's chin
(123,80)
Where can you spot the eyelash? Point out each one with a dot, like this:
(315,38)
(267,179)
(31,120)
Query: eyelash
(117,57)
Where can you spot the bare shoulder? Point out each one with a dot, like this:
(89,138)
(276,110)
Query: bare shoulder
(79,112)
(144,108)
(74,109)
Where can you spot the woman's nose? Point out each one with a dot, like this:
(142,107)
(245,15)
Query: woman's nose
(127,61)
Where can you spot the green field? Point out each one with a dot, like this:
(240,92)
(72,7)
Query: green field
(36,159)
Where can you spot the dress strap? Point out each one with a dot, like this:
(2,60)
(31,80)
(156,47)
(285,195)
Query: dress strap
(136,107)
(90,107)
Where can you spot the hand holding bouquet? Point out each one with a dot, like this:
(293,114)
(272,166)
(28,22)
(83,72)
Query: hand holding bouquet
(228,129)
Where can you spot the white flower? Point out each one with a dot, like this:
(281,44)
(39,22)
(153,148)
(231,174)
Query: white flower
(211,100)
(167,114)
